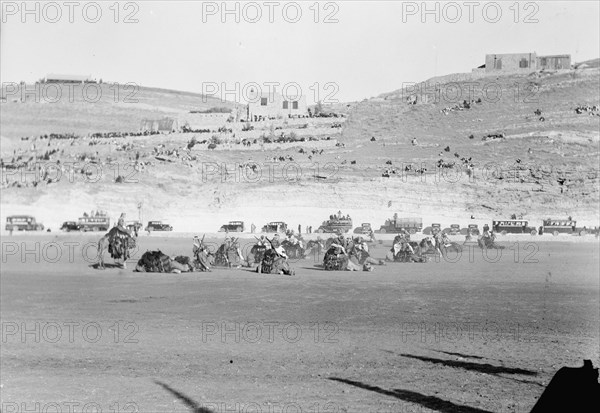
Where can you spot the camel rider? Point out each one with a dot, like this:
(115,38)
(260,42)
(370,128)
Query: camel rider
(405,234)
(361,244)
(121,225)
(281,252)
(486,234)
(236,245)
(440,238)
(276,241)
(401,243)
(340,244)
(262,242)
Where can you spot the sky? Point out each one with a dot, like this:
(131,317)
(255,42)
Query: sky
(343,50)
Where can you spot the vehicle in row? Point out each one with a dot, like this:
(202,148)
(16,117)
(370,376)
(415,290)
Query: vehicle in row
(158,226)
(275,226)
(23,223)
(396,225)
(97,222)
(337,223)
(232,226)
(69,226)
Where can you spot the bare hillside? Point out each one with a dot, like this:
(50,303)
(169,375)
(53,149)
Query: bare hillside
(81,109)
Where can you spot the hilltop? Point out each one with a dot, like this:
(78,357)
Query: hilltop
(36,109)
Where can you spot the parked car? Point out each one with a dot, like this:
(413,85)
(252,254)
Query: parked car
(133,226)
(276,226)
(434,228)
(364,229)
(232,226)
(69,226)
(158,226)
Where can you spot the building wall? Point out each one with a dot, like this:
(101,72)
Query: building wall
(554,62)
(510,62)
(275,105)
(164,125)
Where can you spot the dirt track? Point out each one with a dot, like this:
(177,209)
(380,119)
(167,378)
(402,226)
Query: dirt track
(465,336)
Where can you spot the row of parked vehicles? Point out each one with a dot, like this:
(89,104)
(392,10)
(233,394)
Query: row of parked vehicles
(87,223)
(343,224)
(336,224)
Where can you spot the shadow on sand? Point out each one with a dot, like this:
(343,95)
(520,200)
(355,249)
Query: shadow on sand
(188,401)
(430,402)
(481,368)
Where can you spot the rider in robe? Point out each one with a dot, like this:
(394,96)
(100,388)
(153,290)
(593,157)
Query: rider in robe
(340,244)
(401,242)
(276,241)
(117,240)
(440,238)
(262,242)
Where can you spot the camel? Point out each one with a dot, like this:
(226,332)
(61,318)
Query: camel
(419,253)
(118,246)
(272,263)
(489,242)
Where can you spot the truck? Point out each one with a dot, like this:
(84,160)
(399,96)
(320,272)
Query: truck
(23,223)
(395,225)
(232,226)
(337,223)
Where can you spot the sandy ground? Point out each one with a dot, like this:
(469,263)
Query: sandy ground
(483,333)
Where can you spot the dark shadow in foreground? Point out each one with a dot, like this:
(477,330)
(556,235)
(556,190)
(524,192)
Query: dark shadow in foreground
(481,368)
(571,390)
(188,401)
(430,402)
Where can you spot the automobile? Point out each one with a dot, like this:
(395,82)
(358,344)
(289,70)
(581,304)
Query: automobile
(453,230)
(158,226)
(473,229)
(133,226)
(98,222)
(513,226)
(337,223)
(395,225)
(432,229)
(69,226)
(275,226)
(364,229)
(232,226)
(23,223)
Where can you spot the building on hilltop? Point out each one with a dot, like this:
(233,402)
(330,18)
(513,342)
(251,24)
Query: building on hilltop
(524,62)
(57,78)
(274,105)
(509,62)
(554,62)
